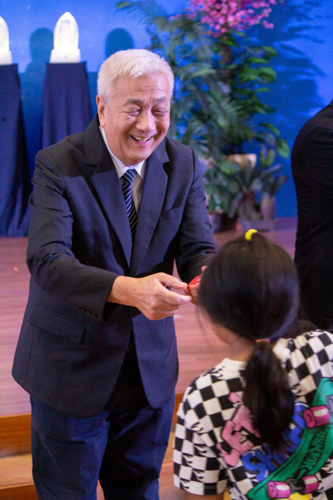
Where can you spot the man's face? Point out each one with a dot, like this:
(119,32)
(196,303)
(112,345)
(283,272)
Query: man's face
(137,116)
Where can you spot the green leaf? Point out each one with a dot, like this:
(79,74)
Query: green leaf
(282,147)
(123,5)
(143,11)
(256,60)
(267,74)
(262,89)
(266,157)
(270,127)
(269,50)
(270,171)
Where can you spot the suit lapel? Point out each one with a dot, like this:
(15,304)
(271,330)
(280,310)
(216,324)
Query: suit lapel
(107,185)
(105,180)
(153,194)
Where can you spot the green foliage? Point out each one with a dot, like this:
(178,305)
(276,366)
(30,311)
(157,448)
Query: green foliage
(218,87)
(234,189)
(143,11)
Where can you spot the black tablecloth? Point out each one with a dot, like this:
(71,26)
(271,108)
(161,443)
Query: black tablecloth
(66,105)
(15,184)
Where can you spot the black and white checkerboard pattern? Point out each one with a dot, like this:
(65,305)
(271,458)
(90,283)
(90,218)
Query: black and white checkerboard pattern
(199,464)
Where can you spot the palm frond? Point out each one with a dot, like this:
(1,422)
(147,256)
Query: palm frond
(143,11)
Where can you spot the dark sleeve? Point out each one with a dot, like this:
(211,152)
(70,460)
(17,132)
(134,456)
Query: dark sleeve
(312,169)
(196,243)
(50,258)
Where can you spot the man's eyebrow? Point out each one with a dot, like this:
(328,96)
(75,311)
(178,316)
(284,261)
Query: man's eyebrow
(138,102)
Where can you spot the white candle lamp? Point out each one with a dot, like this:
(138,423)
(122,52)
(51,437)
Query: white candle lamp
(66,41)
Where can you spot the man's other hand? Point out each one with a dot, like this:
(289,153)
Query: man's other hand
(150,294)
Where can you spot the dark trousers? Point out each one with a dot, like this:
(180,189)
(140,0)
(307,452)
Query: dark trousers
(123,445)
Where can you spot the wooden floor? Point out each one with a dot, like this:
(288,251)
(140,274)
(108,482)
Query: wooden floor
(199,349)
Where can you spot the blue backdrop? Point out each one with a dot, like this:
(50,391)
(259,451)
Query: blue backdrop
(303,35)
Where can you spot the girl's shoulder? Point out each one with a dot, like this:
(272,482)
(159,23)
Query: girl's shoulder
(312,346)
(227,369)
(315,339)
(213,388)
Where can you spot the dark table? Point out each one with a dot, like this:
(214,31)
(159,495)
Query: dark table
(66,107)
(15,183)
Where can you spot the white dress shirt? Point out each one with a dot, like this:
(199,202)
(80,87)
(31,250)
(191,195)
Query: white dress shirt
(137,185)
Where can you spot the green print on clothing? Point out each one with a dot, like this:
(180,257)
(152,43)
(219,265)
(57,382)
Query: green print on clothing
(297,473)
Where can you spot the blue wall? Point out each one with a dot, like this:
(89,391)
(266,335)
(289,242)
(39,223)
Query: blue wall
(303,37)
(304,66)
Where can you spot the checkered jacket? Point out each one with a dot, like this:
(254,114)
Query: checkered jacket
(215,446)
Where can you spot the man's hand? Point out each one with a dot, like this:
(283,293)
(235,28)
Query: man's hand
(192,290)
(149,294)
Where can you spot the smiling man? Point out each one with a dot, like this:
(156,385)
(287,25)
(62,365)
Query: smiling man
(111,211)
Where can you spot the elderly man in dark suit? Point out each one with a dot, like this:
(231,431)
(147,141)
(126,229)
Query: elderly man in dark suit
(312,169)
(112,209)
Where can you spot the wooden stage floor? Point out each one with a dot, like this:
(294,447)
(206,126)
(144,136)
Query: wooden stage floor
(199,349)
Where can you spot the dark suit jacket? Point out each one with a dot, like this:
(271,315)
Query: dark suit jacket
(312,169)
(72,343)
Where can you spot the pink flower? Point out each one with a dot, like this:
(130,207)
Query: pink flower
(267,25)
(223,15)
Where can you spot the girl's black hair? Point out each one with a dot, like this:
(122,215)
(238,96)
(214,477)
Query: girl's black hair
(251,288)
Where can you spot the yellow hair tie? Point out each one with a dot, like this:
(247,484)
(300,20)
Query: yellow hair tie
(249,233)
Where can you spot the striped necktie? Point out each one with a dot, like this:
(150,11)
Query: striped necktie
(127,179)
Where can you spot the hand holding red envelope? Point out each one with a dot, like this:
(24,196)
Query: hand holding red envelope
(195,280)
(193,291)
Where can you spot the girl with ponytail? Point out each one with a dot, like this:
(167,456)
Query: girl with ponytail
(260,423)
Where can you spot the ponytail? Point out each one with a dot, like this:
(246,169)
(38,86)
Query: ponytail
(268,395)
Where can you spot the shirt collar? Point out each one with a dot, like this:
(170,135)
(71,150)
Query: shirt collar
(120,167)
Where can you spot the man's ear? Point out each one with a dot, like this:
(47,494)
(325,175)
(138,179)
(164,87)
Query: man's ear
(100,109)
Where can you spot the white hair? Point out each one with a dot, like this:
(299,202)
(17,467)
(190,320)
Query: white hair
(133,63)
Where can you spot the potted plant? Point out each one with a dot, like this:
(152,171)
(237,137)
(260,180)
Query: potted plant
(246,190)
